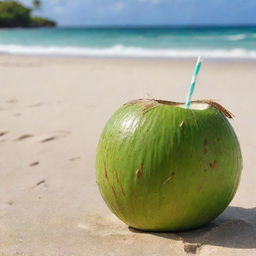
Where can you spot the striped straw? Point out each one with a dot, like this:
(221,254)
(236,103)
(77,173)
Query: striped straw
(193,82)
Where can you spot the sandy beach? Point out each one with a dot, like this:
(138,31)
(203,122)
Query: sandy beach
(52,111)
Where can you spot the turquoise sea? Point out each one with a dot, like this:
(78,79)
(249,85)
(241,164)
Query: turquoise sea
(159,42)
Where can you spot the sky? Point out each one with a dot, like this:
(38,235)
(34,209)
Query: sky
(148,12)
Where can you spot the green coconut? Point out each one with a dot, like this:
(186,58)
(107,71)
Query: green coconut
(161,167)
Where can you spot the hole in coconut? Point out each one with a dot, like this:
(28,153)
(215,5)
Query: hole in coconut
(195,106)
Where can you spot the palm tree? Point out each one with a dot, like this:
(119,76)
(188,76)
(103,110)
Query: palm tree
(36,4)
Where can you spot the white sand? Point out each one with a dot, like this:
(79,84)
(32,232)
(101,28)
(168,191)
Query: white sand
(52,111)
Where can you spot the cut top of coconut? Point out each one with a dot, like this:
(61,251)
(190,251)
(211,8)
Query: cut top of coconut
(195,105)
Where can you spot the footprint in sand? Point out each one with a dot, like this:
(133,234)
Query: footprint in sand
(48,139)
(39,183)
(36,105)
(12,101)
(10,202)
(6,204)
(74,158)
(60,134)
(25,136)
(3,133)
(34,163)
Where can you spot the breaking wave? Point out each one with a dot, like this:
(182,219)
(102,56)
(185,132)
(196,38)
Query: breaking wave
(125,51)
(235,37)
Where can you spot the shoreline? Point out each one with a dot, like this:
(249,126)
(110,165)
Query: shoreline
(162,59)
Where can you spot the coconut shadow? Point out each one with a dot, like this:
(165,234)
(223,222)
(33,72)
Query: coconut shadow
(234,228)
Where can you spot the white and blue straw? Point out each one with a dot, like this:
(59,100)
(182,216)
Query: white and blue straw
(193,82)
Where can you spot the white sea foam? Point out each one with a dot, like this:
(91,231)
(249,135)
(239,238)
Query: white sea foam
(235,37)
(123,51)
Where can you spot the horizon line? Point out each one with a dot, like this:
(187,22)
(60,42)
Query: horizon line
(160,26)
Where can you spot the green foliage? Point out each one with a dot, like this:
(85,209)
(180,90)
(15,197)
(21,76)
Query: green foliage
(41,22)
(14,14)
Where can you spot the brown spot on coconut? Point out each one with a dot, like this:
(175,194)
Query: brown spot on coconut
(147,104)
(113,191)
(105,171)
(205,144)
(122,190)
(213,164)
(119,184)
(169,178)
(138,172)
(148,107)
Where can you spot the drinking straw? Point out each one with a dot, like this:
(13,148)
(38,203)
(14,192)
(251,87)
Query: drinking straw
(193,82)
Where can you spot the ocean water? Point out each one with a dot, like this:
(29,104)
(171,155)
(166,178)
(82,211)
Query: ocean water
(159,42)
